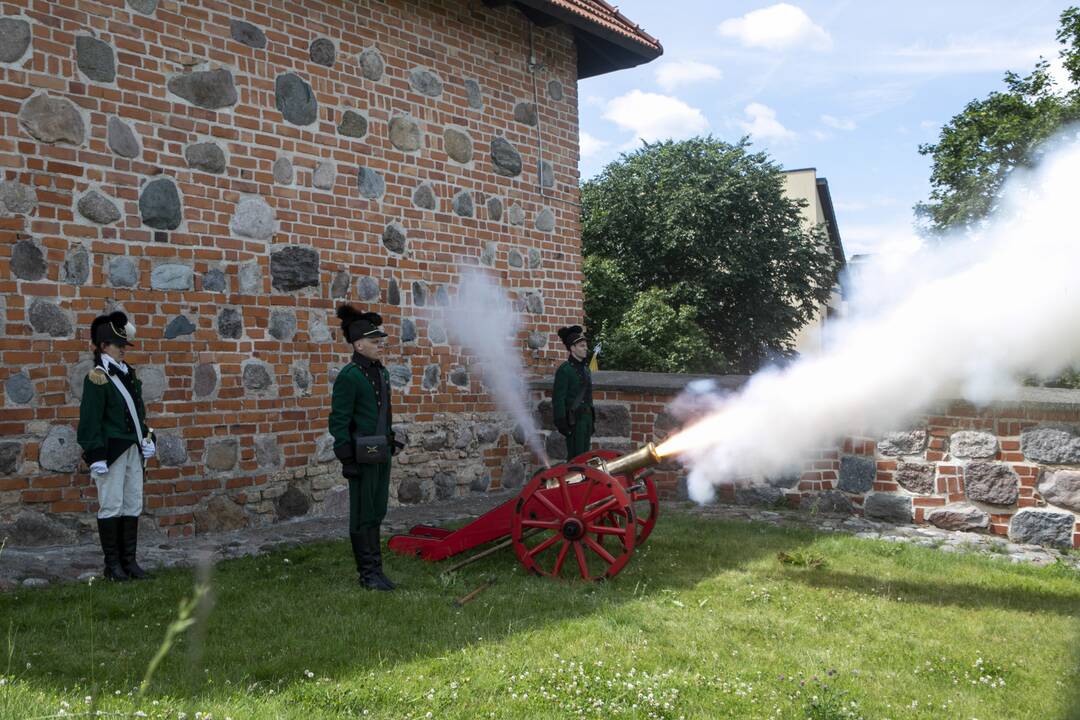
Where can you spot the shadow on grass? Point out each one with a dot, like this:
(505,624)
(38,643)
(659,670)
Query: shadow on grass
(943,593)
(278,615)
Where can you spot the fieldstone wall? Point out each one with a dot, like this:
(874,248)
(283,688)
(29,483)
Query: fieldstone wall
(1010,469)
(226,172)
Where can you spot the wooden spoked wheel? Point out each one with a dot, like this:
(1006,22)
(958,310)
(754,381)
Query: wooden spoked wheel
(555,524)
(642,494)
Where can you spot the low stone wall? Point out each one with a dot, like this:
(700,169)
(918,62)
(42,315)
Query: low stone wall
(448,455)
(1010,469)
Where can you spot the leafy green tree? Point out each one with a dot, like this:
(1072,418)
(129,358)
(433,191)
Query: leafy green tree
(654,335)
(978,148)
(698,235)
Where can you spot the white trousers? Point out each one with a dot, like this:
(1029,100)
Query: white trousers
(120,489)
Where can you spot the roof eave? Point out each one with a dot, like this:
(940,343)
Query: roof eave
(825,197)
(607,51)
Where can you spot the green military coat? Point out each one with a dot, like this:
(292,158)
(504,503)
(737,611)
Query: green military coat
(572,405)
(354,408)
(106,429)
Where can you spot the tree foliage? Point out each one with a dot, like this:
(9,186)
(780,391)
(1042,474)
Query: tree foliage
(695,260)
(979,147)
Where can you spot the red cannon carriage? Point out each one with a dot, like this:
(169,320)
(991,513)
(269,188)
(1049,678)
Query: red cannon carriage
(584,517)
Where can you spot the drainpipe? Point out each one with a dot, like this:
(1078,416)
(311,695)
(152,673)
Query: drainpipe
(534,68)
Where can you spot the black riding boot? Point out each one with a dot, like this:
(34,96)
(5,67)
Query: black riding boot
(376,549)
(357,551)
(365,561)
(109,532)
(129,534)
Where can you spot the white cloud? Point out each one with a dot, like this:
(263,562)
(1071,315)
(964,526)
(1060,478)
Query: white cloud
(676,73)
(846,124)
(655,117)
(964,56)
(591,145)
(777,27)
(877,97)
(762,124)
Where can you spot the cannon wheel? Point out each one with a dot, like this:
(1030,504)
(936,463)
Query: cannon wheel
(645,501)
(553,528)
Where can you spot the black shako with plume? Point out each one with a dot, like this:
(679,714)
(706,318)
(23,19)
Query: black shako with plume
(113,328)
(571,335)
(356,324)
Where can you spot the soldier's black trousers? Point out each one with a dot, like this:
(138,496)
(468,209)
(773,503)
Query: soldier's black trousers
(368,496)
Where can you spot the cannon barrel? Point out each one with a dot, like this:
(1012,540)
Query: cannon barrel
(643,457)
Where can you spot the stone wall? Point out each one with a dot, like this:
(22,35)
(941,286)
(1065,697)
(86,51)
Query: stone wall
(1010,469)
(226,172)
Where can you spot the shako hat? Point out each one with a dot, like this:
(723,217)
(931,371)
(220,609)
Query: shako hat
(112,328)
(571,335)
(356,324)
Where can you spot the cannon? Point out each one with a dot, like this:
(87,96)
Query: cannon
(583,518)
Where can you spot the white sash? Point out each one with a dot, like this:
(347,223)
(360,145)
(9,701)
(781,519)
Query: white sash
(130,403)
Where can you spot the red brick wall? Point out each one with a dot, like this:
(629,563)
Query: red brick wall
(458,40)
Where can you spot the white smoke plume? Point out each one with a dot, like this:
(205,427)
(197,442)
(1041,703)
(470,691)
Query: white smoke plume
(483,321)
(962,319)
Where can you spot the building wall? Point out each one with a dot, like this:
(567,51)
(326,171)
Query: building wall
(802,185)
(116,109)
(1012,469)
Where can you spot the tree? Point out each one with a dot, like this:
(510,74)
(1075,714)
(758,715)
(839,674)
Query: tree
(978,148)
(657,335)
(694,245)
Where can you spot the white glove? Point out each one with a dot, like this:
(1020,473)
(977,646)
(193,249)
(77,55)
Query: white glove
(99,468)
(149,449)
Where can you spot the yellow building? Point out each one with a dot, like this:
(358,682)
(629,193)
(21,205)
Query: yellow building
(804,184)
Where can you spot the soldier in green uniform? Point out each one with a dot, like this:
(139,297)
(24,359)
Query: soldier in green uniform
(361,419)
(571,398)
(115,442)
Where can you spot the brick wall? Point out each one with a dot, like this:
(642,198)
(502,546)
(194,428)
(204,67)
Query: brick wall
(1012,469)
(117,109)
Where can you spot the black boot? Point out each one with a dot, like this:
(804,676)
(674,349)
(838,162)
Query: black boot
(357,541)
(365,562)
(109,532)
(376,549)
(129,543)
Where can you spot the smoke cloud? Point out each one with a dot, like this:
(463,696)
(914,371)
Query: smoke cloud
(962,319)
(482,320)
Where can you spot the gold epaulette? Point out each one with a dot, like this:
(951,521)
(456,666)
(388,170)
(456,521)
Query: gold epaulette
(98,376)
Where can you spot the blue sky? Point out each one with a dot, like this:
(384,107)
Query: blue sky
(850,88)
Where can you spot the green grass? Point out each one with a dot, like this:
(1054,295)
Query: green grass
(705,622)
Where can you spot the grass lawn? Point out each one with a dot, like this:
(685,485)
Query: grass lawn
(705,622)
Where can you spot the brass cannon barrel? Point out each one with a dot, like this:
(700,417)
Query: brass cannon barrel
(643,457)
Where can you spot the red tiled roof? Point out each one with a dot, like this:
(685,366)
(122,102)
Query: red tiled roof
(608,17)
